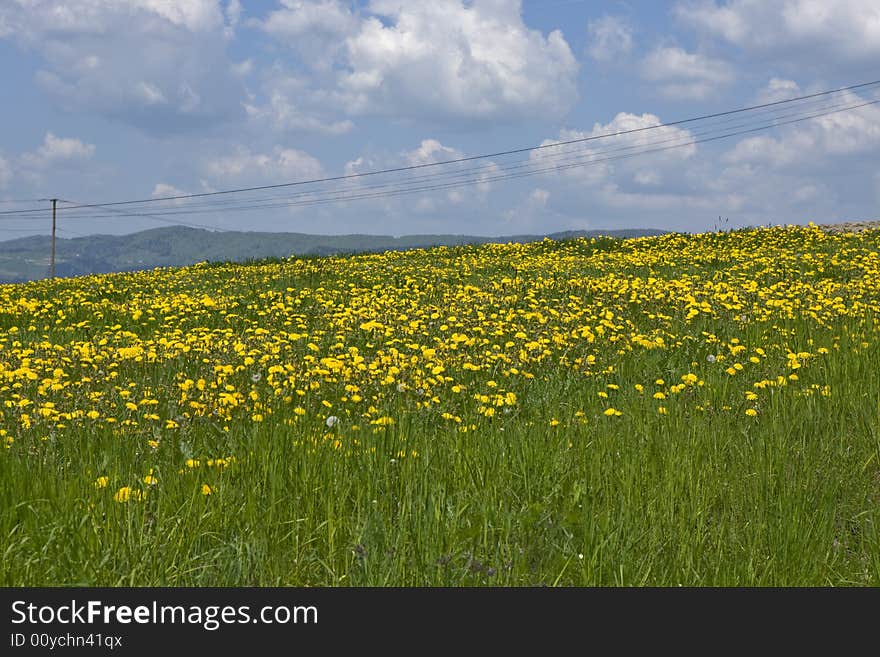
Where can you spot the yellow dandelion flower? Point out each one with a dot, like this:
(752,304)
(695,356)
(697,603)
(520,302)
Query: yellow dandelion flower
(127,493)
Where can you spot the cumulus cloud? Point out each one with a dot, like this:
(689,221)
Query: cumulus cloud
(594,161)
(539,197)
(244,167)
(430,59)
(811,143)
(158,65)
(469,182)
(684,75)
(844,30)
(431,151)
(610,38)
(778,89)
(291,104)
(233,13)
(447,58)
(164,190)
(316,29)
(57,150)
(647,177)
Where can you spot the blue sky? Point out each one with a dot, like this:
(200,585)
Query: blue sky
(108,100)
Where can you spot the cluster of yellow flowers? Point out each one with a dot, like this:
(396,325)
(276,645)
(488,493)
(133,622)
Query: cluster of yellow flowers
(338,345)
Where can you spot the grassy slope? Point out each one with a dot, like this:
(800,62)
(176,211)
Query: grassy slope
(791,497)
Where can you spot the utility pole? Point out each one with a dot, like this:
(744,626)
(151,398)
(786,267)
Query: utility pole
(52,255)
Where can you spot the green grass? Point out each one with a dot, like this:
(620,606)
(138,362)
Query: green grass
(692,497)
(791,499)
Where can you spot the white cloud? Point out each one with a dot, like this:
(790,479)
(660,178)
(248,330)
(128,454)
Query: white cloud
(292,105)
(233,12)
(243,68)
(429,152)
(31,19)
(164,190)
(57,150)
(150,94)
(429,59)
(810,144)
(195,15)
(539,197)
(610,38)
(445,58)
(684,75)
(593,161)
(847,30)
(469,181)
(778,89)
(155,64)
(280,166)
(315,28)
(647,177)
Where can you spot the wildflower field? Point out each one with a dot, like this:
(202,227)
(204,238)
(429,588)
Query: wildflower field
(684,409)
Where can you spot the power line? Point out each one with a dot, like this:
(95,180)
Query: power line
(149,215)
(502,173)
(559,153)
(581,140)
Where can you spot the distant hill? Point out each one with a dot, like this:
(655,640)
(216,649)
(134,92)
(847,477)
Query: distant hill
(27,258)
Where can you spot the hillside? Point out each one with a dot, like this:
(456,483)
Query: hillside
(694,410)
(27,258)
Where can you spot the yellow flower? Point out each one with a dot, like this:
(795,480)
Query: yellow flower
(751,412)
(206,489)
(611,412)
(127,493)
(101,482)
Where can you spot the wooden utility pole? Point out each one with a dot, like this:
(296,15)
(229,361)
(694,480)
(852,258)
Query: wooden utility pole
(52,254)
